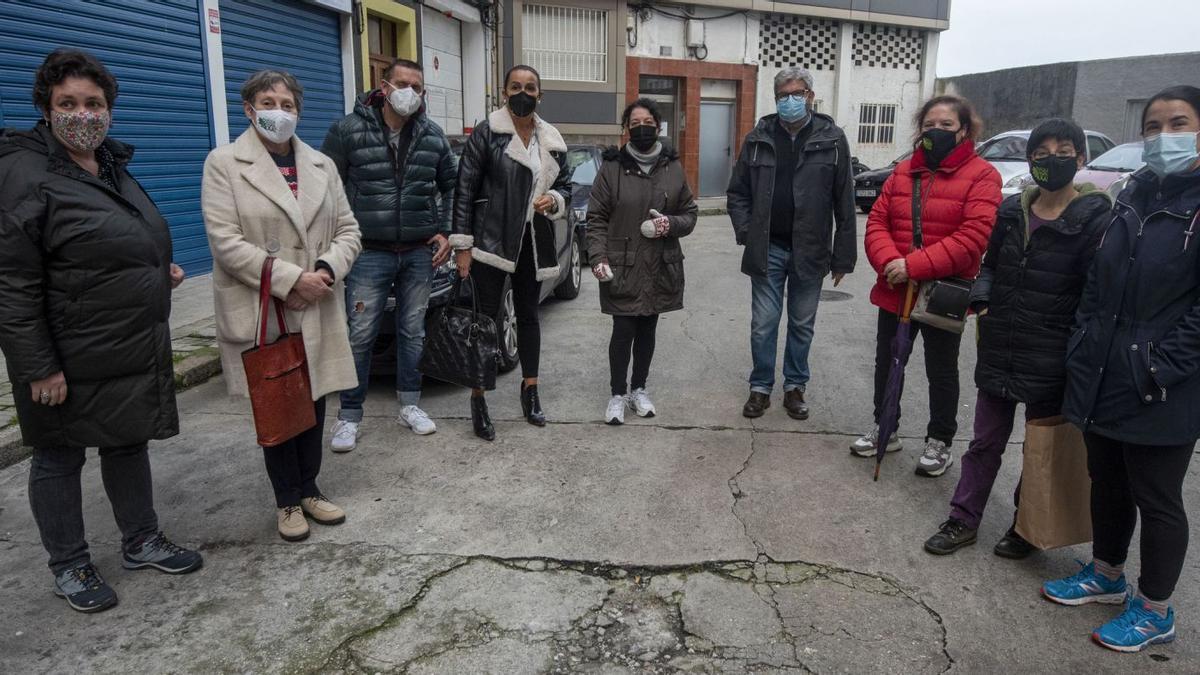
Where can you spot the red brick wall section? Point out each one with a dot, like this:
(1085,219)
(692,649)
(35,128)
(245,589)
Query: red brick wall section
(690,73)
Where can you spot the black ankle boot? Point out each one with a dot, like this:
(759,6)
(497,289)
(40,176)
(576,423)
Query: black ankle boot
(531,405)
(481,420)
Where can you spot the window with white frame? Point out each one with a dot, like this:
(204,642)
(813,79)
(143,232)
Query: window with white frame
(877,123)
(566,43)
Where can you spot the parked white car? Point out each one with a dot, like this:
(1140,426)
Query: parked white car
(1006,152)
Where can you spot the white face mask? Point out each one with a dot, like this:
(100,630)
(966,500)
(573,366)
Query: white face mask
(404,101)
(277,126)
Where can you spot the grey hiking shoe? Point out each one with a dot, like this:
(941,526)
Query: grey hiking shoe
(158,552)
(935,460)
(84,589)
(866,445)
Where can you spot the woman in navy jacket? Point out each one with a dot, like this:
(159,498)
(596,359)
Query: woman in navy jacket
(1133,382)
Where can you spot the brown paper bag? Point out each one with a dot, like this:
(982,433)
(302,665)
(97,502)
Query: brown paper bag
(1056,490)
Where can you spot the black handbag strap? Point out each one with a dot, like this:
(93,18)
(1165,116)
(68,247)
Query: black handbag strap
(456,293)
(918,240)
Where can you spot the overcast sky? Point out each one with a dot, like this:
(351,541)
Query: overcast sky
(994,34)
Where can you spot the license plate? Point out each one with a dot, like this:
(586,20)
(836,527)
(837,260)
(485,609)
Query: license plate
(865,193)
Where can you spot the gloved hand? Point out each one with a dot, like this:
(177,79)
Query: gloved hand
(657,226)
(602,271)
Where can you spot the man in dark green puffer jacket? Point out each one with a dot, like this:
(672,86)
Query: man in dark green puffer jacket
(395,163)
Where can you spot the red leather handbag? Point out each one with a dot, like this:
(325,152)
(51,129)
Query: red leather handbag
(277,375)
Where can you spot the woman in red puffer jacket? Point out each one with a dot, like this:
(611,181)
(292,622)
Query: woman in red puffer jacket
(960,193)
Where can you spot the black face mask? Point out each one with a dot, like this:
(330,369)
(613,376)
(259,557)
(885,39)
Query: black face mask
(1053,172)
(522,104)
(937,144)
(643,137)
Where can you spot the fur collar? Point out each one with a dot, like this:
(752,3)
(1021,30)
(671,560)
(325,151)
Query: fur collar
(500,122)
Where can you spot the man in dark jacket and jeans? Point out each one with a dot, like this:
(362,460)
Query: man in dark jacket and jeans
(791,200)
(395,162)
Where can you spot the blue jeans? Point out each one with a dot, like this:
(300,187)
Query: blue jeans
(372,278)
(767,308)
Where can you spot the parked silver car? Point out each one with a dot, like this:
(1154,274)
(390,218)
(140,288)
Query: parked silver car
(1006,152)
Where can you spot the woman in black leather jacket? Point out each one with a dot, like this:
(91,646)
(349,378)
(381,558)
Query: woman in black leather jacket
(512,184)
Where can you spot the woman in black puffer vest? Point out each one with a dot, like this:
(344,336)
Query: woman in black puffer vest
(1026,296)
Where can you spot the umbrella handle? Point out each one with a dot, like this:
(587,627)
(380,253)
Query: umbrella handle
(909,301)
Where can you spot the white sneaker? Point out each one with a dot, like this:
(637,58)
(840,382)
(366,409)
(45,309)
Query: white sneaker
(615,414)
(416,419)
(866,445)
(935,460)
(640,403)
(345,436)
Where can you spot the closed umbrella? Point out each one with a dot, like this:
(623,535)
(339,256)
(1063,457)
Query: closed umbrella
(902,344)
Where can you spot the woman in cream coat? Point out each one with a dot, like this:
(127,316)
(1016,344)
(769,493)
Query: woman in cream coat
(269,193)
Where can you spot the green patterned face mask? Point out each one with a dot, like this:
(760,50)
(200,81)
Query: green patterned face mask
(1053,173)
(80,131)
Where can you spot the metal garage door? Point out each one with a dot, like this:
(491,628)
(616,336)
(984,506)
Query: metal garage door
(154,49)
(298,37)
(442,59)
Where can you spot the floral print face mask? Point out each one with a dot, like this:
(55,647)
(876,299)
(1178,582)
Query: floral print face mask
(80,131)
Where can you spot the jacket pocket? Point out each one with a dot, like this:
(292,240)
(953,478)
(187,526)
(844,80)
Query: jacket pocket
(237,313)
(1144,381)
(621,259)
(669,281)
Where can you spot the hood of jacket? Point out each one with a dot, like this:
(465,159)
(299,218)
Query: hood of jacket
(1082,208)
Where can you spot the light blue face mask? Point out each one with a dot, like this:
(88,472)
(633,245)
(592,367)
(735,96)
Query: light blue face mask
(792,108)
(1170,153)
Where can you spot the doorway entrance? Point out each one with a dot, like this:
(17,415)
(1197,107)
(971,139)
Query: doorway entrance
(716,147)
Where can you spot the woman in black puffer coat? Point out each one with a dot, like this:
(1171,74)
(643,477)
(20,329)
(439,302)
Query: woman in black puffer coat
(84,302)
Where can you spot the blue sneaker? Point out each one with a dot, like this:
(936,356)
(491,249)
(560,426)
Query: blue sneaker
(1084,587)
(1138,627)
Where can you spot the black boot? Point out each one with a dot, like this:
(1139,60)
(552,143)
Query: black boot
(531,405)
(481,420)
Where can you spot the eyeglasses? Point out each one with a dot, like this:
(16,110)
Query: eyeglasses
(1061,154)
(780,97)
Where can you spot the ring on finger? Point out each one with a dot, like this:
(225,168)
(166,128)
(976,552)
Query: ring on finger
(44,397)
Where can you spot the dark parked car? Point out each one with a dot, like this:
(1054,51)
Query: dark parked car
(584,162)
(868,184)
(568,234)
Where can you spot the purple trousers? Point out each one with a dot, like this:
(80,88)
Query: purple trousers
(981,463)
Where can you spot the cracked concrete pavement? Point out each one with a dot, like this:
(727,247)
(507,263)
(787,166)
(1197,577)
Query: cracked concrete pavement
(697,541)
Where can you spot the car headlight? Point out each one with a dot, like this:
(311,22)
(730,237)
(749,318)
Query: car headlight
(1020,181)
(580,213)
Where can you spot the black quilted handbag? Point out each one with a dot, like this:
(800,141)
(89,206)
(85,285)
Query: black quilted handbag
(461,348)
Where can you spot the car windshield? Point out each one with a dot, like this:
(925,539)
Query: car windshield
(1006,149)
(1125,158)
(585,171)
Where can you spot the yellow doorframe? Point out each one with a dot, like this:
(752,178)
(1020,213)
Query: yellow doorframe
(405,19)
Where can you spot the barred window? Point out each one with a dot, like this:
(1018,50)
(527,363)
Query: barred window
(566,43)
(877,123)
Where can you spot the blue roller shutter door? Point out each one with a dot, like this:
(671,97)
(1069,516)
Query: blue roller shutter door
(298,37)
(154,49)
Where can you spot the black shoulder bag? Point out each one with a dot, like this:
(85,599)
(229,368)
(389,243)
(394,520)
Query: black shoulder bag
(461,348)
(941,303)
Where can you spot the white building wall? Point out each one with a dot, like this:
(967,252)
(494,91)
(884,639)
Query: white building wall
(841,86)
(728,40)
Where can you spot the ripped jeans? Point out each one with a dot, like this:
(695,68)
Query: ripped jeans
(372,278)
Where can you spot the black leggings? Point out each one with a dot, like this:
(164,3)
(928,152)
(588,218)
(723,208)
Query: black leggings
(489,285)
(636,334)
(1127,479)
(293,465)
